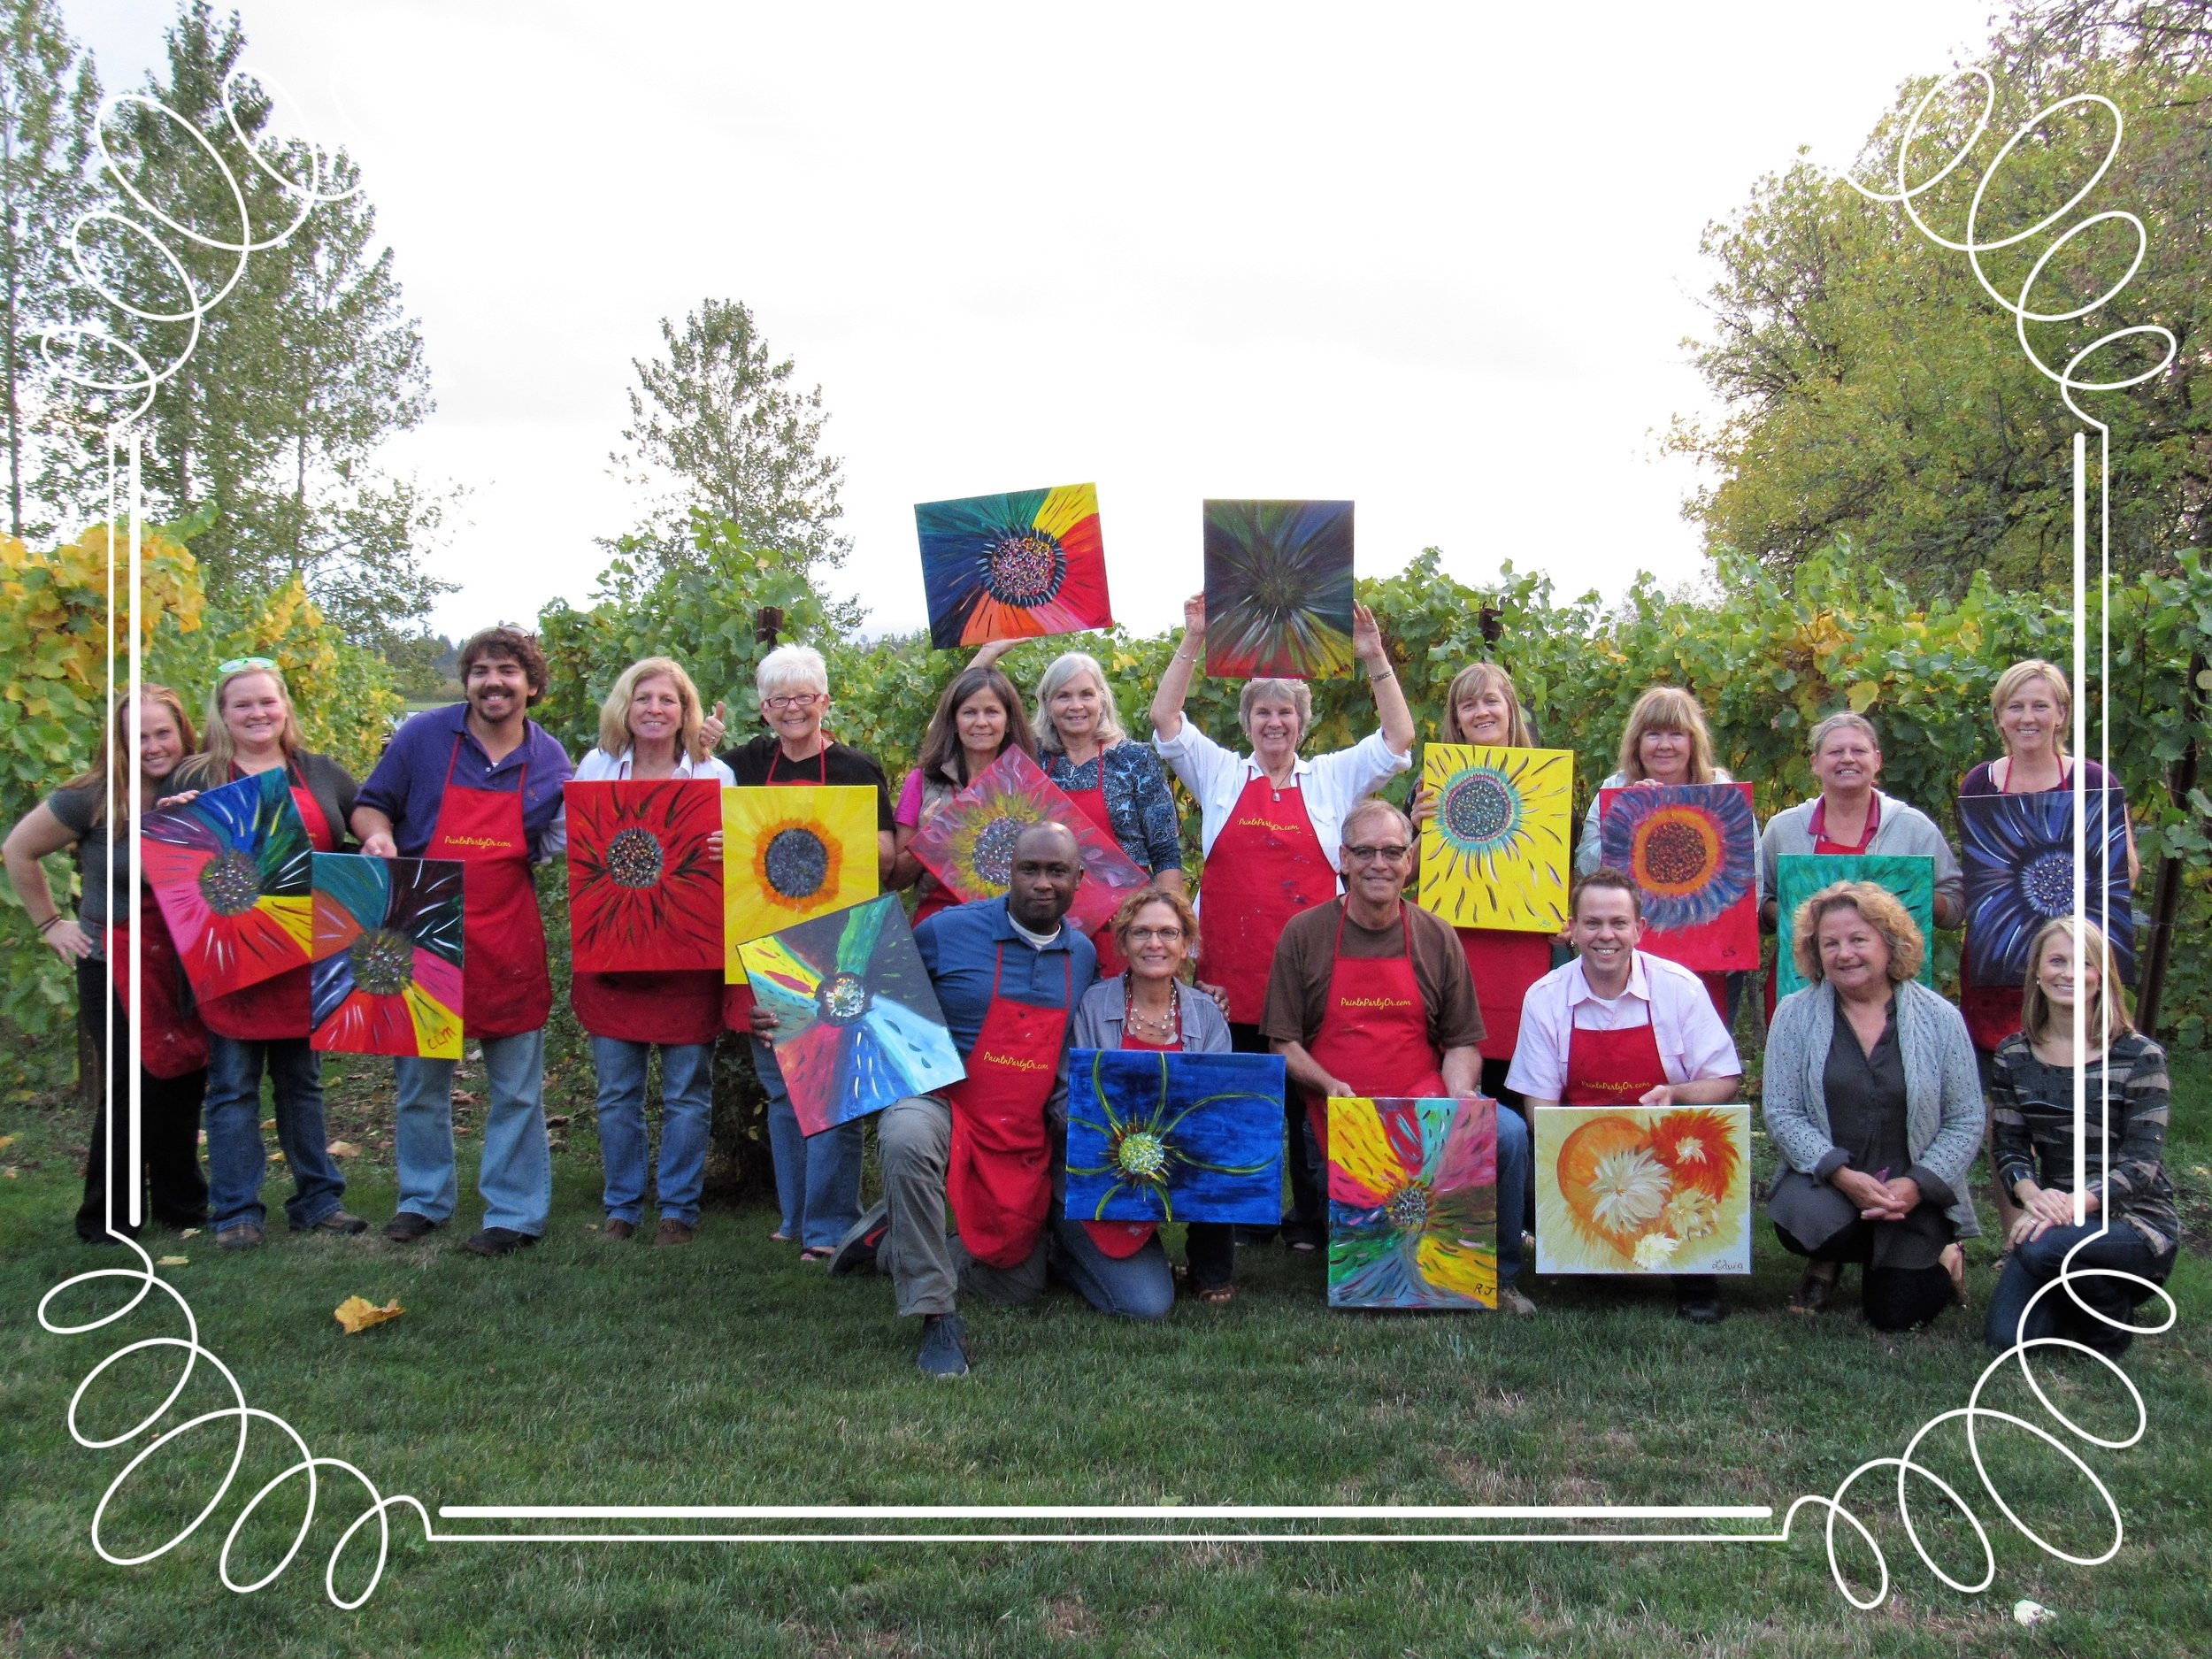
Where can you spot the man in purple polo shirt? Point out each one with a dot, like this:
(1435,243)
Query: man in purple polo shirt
(480,781)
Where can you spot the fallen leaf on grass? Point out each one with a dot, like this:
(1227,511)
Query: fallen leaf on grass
(462,1129)
(2030,1613)
(358,1313)
(8,1173)
(342,1149)
(8,1141)
(173,1261)
(189,1232)
(560,1122)
(268,1122)
(462,1097)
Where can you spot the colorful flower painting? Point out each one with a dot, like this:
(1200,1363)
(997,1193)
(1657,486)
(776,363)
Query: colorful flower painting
(1801,875)
(1279,588)
(1413,1203)
(1497,852)
(790,853)
(1014,566)
(969,845)
(2019,854)
(1175,1137)
(1693,849)
(386,978)
(644,894)
(230,872)
(858,1024)
(1662,1189)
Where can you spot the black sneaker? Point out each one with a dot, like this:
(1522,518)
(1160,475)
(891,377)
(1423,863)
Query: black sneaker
(855,1252)
(944,1347)
(498,1241)
(407,1227)
(1697,1299)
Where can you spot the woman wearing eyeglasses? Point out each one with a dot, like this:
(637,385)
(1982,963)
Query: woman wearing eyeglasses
(1152,1006)
(818,1177)
(251,729)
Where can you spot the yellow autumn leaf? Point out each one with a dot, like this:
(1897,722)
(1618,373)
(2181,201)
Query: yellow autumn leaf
(358,1313)
(6,1142)
(1863,694)
(342,1149)
(173,1261)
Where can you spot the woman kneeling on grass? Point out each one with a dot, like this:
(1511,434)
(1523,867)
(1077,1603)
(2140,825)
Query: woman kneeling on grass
(2132,1226)
(1152,1005)
(1872,1100)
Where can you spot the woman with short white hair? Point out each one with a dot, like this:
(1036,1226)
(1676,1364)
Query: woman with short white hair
(1269,824)
(652,728)
(817,1177)
(1120,785)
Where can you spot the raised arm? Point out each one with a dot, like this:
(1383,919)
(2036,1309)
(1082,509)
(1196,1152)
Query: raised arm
(1167,702)
(1390,696)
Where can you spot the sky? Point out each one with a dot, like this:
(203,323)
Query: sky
(1439,259)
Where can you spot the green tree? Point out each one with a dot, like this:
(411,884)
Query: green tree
(298,374)
(1869,388)
(718,425)
(48,99)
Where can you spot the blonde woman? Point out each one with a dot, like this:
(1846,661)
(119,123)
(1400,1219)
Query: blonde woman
(651,728)
(2134,1227)
(1871,1099)
(251,729)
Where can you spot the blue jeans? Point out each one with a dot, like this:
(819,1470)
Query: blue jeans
(1516,1190)
(236,1158)
(516,1177)
(686,1106)
(818,1177)
(2036,1264)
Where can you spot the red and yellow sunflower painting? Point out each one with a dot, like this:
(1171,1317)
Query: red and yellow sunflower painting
(1643,1189)
(644,890)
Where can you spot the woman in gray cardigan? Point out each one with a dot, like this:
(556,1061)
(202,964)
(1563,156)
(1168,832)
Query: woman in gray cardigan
(1153,1005)
(1872,1098)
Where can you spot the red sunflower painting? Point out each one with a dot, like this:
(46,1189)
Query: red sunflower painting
(643,893)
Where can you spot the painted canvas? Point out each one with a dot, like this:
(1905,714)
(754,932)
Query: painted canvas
(643,893)
(1693,849)
(1633,1189)
(1801,875)
(1175,1137)
(1413,1203)
(2019,854)
(1497,854)
(1279,588)
(386,978)
(789,855)
(859,1024)
(230,872)
(1013,566)
(969,845)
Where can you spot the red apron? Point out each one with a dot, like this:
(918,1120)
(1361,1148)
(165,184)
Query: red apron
(505,989)
(1504,964)
(999,1178)
(275,1008)
(1266,865)
(1091,802)
(1121,1239)
(1375,1035)
(172,1042)
(737,999)
(1612,1068)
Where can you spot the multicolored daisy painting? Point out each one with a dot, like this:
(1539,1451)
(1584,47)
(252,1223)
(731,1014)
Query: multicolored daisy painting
(969,845)
(230,872)
(1413,1202)
(1497,852)
(1175,1137)
(2019,854)
(386,978)
(1013,566)
(643,893)
(1278,590)
(1662,1189)
(1693,849)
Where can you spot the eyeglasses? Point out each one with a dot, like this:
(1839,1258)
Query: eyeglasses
(1156,935)
(797,700)
(1369,855)
(241,665)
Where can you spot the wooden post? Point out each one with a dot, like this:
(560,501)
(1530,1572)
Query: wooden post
(2150,986)
(767,623)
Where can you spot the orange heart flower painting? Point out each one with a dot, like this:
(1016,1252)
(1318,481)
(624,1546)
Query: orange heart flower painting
(1662,1189)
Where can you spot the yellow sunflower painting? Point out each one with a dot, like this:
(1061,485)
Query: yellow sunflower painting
(1495,853)
(789,855)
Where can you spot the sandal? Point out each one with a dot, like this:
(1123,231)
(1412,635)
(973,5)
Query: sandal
(1214,1295)
(781,1236)
(1815,1290)
(816,1253)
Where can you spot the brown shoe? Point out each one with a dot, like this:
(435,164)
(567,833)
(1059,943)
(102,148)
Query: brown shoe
(615,1231)
(673,1232)
(1815,1289)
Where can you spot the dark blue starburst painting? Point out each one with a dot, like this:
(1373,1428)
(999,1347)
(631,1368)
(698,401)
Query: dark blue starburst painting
(1175,1137)
(2019,854)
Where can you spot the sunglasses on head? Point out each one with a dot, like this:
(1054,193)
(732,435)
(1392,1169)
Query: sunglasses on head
(242,664)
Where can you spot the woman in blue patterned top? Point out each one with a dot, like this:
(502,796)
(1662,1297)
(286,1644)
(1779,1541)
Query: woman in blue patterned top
(1120,786)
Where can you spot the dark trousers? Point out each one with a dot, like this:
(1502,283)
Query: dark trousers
(1308,1221)
(1209,1248)
(1894,1298)
(169,1130)
(2037,1263)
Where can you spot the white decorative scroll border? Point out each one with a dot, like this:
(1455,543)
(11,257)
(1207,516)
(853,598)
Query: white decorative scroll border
(125,484)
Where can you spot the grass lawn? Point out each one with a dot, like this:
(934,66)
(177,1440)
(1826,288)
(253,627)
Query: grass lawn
(728,1373)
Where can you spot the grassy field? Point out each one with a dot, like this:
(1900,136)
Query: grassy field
(727,1374)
